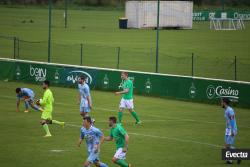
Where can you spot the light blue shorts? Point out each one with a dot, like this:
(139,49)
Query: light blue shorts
(84,109)
(30,100)
(93,157)
(229,139)
(84,106)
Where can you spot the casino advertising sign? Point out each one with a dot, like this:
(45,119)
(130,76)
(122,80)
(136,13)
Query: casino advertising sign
(222,92)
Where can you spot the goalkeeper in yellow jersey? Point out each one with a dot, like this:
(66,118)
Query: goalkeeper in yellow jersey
(47,107)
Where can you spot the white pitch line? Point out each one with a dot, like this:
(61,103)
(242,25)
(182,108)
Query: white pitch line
(177,139)
(57,151)
(156,116)
(156,120)
(152,136)
(188,120)
(8,97)
(169,118)
(73,125)
(148,135)
(162,137)
(105,109)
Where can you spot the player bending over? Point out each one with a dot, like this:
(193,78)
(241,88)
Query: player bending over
(28,96)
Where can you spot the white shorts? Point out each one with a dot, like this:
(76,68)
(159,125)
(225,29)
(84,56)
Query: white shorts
(119,154)
(129,104)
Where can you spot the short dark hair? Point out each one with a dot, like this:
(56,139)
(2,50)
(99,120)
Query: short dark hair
(18,90)
(226,100)
(113,119)
(46,82)
(82,77)
(88,118)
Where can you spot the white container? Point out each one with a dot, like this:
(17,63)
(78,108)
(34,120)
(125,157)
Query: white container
(143,14)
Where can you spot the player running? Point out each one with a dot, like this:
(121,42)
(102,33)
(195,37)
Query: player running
(127,98)
(231,126)
(84,98)
(28,96)
(94,138)
(121,139)
(47,105)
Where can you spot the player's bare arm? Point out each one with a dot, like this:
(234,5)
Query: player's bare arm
(89,102)
(79,142)
(78,99)
(122,92)
(102,139)
(98,146)
(126,143)
(109,138)
(17,105)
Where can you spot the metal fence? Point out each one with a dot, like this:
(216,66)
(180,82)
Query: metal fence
(126,58)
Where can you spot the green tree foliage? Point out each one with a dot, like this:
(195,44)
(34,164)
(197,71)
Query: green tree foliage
(119,2)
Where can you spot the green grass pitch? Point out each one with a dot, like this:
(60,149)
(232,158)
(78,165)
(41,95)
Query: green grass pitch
(98,31)
(173,133)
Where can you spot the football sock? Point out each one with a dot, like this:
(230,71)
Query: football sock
(36,108)
(46,128)
(122,163)
(57,122)
(120,114)
(26,105)
(103,165)
(134,114)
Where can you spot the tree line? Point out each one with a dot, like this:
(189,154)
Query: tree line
(232,3)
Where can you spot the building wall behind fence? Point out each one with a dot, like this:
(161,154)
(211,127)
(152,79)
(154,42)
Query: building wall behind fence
(151,84)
